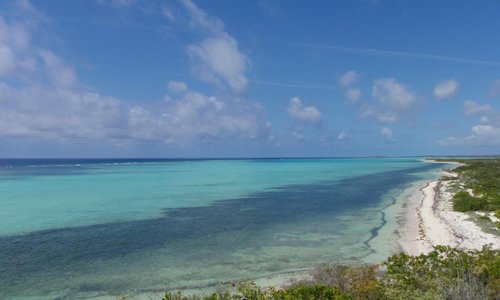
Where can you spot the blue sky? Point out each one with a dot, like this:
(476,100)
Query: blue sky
(221,78)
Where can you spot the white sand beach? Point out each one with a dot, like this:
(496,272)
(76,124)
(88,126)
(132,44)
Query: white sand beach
(428,220)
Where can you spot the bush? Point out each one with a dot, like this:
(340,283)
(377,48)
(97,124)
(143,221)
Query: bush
(443,272)
(360,282)
(463,201)
(311,292)
(480,175)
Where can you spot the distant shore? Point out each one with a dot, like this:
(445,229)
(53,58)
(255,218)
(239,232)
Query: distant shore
(428,220)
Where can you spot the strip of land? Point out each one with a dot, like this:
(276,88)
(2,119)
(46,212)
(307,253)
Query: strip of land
(428,220)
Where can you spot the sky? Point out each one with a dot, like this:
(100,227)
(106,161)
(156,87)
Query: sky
(223,78)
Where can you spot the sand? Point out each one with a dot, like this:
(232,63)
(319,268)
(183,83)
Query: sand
(428,220)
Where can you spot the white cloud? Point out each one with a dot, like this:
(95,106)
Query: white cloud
(481,135)
(446,90)
(19,57)
(387,117)
(348,78)
(199,117)
(392,101)
(485,130)
(63,110)
(392,95)
(46,113)
(216,59)
(7,61)
(62,114)
(303,113)
(486,133)
(15,53)
(61,74)
(353,95)
(15,33)
(202,20)
(473,108)
(177,86)
(386,133)
(495,88)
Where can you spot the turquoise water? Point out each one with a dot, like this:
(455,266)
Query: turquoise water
(80,229)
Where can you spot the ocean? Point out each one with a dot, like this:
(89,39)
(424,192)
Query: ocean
(86,228)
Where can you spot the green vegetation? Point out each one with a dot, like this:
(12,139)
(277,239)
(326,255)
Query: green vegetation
(444,273)
(482,177)
(484,218)
(463,202)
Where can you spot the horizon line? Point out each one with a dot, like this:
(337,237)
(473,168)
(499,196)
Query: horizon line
(244,157)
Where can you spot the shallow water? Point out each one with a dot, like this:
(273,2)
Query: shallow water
(79,229)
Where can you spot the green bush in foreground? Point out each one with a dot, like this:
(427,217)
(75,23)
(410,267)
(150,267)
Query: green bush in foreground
(250,291)
(444,273)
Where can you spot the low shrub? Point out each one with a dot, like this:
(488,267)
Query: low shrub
(361,282)
(463,202)
(310,292)
(444,271)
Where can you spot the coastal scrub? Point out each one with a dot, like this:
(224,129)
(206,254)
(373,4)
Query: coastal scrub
(481,185)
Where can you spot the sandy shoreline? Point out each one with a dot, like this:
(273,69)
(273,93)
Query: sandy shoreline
(428,219)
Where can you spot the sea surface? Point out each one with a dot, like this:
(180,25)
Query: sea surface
(77,229)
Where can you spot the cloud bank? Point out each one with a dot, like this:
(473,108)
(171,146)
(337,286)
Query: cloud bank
(41,97)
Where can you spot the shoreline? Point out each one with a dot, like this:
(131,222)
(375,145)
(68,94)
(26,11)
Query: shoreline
(427,219)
